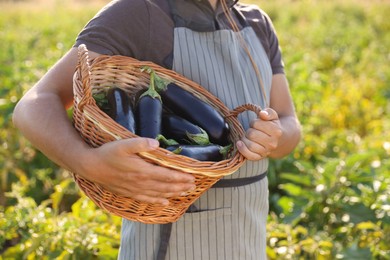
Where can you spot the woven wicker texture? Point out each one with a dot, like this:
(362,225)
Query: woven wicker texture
(97,128)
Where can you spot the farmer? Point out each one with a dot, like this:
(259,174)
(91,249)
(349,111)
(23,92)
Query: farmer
(229,48)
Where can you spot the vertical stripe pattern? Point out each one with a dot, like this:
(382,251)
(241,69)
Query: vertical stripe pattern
(229,222)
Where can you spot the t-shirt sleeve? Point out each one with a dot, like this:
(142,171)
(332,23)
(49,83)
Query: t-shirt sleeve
(265,30)
(274,48)
(116,29)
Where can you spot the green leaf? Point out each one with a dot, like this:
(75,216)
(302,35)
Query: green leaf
(286,204)
(359,213)
(355,253)
(292,189)
(299,179)
(60,190)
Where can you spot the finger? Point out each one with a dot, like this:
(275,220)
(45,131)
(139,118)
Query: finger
(156,188)
(268,128)
(256,135)
(138,145)
(248,154)
(262,125)
(167,195)
(255,147)
(162,174)
(260,143)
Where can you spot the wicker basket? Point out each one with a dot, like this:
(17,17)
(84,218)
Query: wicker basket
(97,128)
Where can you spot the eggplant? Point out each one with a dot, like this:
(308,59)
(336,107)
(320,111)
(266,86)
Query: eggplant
(120,108)
(148,110)
(188,106)
(210,152)
(182,130)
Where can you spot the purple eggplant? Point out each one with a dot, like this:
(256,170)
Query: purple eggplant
(210,152)
(120,108)
(182,130)
(148,110)
(188,106)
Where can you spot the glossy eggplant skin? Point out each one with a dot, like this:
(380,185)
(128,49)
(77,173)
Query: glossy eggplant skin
(210,152)
(120,108)
(198,112)
(182,130)
(148,114)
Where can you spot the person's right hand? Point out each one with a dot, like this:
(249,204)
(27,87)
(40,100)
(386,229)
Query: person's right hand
(117,167)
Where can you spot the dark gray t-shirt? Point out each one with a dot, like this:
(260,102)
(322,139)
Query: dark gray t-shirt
(144,29)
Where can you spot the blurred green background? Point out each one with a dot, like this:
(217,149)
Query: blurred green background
(330,199)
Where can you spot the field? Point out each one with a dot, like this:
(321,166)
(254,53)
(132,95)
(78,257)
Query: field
(330,199)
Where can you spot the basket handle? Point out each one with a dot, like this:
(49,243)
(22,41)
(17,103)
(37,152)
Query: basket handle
(84,71)
(245,107)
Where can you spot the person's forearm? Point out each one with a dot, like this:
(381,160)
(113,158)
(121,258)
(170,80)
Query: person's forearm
(44,122)
(290,138)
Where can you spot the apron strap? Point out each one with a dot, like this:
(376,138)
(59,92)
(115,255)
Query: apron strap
(225,183)
(165,234)
(166,229)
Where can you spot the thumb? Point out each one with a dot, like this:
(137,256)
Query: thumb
(268,114)
(264,115)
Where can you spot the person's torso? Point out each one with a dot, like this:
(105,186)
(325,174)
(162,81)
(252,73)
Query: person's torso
(144,29)
(193,40)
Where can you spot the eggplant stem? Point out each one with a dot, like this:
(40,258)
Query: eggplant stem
(167,142)
(152,89)
(225,150)
(159,83)
(177,150)
(200,139)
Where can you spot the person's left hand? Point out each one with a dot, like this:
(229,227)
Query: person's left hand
(262,137)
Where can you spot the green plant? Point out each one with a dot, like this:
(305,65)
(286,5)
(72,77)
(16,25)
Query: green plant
(31,231)
(330,199)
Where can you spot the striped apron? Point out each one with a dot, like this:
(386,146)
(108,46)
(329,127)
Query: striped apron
(229,220)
